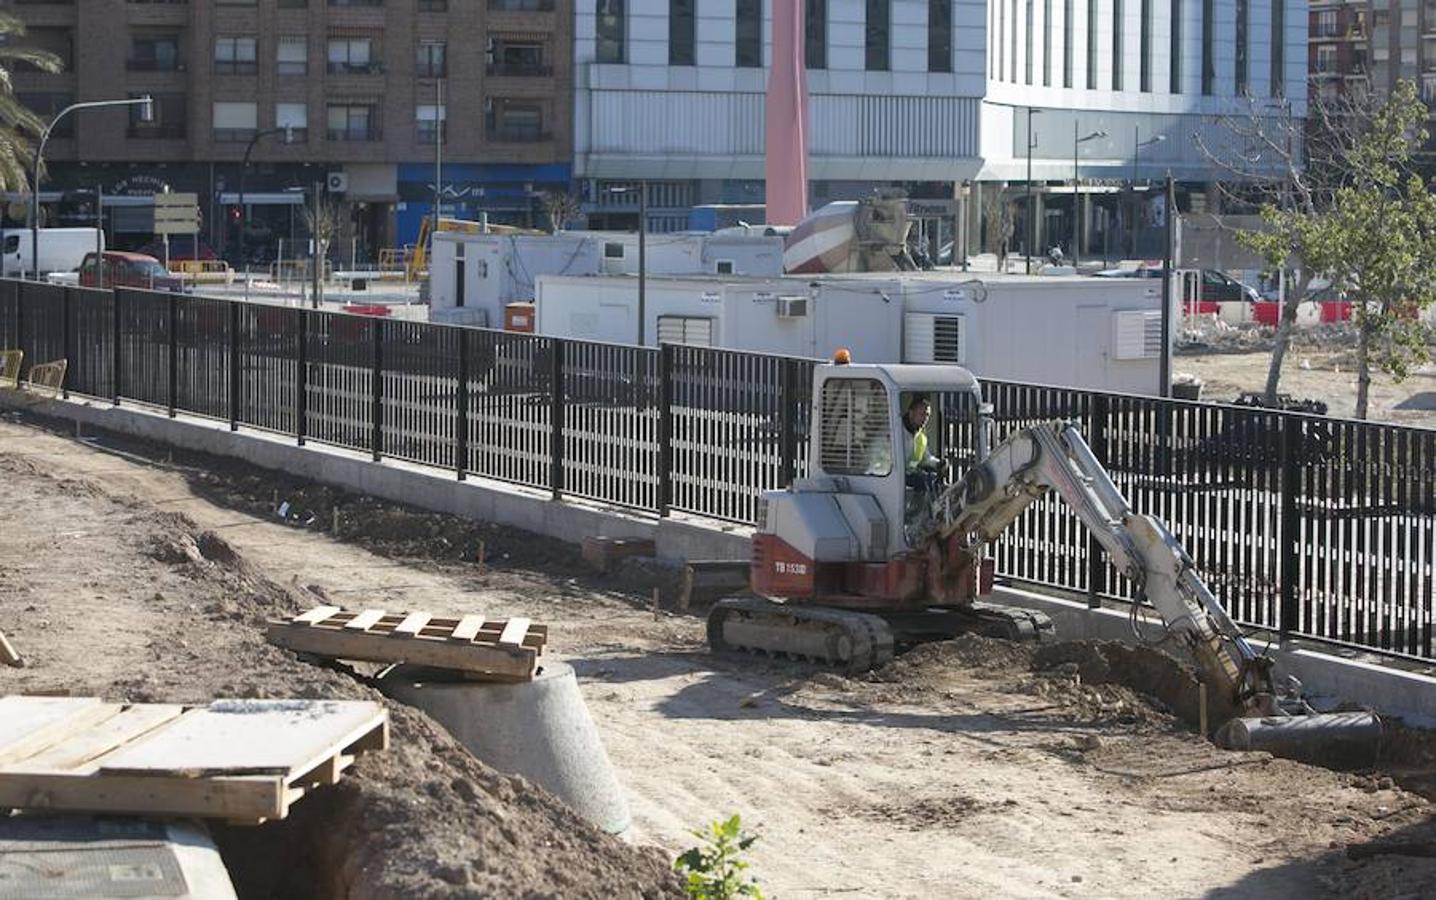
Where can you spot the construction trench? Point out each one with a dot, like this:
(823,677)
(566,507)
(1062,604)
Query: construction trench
(984,767)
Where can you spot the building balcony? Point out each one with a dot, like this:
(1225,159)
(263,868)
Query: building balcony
(431,71)
(235,67)
(234,135)
(519,70)
(514,135)
(343,68)
(155,65)
(355,135)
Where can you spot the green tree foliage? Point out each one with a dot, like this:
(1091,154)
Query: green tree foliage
(20,128)
(714,869)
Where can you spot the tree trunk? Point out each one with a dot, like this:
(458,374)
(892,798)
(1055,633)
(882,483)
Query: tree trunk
(1363,371)
(1282,342)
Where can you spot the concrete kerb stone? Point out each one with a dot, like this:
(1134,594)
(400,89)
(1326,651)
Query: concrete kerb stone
(1328,679)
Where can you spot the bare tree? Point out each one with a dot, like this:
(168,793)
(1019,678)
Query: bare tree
(1289,168)
(322,220)
(561,208)
(998,219)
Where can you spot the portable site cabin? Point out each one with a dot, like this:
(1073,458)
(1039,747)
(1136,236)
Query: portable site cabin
(1081,332)
(473,277)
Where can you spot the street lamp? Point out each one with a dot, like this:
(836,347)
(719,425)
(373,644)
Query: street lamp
(1137,145)
(1031,221)
(147,114)
(642,190)
(288,132)
(1077,194)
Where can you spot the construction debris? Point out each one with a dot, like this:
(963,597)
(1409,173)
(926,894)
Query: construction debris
(8,656)
(244,761)
(603,552)
(482,649)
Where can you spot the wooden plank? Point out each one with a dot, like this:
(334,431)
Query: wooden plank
(249,737)
(365,620)
(316,615)
(8,656)
(468,627)
(31,724)
(508,660)
(247,799)
(411,626)
(514,631)
(74,752)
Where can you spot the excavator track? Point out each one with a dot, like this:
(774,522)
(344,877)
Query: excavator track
(834,638)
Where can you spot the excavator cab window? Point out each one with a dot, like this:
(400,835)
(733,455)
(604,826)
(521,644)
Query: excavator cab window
(856,438)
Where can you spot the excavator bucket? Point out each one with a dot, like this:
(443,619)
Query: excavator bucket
(1341,738)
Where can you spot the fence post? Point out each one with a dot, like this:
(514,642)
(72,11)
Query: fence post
(787,434)
(1288,610)
(665,427)
(1096,561)
(20,319)
(376,438)
(173,321)
(65,336)
(301,375)
(461,412)
(116,338)
(556,396)
(234,387)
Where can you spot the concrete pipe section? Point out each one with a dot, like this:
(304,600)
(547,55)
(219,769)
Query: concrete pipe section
(539,729)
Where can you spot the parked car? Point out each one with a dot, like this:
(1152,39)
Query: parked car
(1217,287)
(135,270)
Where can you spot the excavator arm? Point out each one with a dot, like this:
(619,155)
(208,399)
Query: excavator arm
(1054,456)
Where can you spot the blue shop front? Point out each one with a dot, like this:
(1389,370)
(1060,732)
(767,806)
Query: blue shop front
(511,194)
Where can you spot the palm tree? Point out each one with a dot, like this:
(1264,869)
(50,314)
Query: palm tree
(20,128)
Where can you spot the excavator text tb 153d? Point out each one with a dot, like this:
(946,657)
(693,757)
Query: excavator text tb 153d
(862,554)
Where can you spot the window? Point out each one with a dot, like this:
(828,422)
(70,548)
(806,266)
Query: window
(430,61)
(431,120)
(748,37)
(47,105)
(1047,43)
(1067,26)
(352,55)
(352,122)
(291,56)
(433,5)
(878,29)
(1092,45)
(521,5)
(815,33)
(1175,52)
(154,53)
(1012,31)
(59,41)
(517,55)
(680,32)
(1117,60)
(170,120)
(1326,58)
(295,117)
(612,28)
(856,436)
(1027,62)
(1144,72)
(514,121)
(1209,69)
(459,275)
(723,267)
(1325,23)
(1240,56)
(1278,48)
(235,121)
(939,35)
(612,250)
(234,56)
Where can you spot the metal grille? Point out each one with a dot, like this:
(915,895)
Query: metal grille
(339,379)
(91,355)
(857,434)
(145,345)
(609,402)
(510,406)
(268,345)
(202,348)
(420,392)
(42,331)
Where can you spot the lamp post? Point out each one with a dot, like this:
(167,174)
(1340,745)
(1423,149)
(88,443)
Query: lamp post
(1137,145)
(1031,220)
(288,132)
(147,114)
(1077,195)
(642,190)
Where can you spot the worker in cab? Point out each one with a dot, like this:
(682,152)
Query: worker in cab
(921,468)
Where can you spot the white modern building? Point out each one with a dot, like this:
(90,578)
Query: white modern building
(927,94)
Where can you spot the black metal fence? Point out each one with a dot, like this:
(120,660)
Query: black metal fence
(1308,526)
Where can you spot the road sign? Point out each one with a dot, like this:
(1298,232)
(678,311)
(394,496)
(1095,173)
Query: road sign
(176,213)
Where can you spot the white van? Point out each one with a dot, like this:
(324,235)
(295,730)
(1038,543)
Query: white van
(61,249)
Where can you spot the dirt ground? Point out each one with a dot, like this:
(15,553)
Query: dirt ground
(966,769)
(1316,372)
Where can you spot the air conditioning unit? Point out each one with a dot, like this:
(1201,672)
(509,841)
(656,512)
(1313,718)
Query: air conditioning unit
(338,182)
(792,307)
(1136,334)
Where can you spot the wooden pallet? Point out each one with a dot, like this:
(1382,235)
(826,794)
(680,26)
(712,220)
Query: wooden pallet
(245,761)
(480,648)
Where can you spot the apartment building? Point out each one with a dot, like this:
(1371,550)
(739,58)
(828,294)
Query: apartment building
(364,90)
(928,94)
(1372,45)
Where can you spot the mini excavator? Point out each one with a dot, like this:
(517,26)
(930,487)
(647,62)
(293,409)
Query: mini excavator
(852,560)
